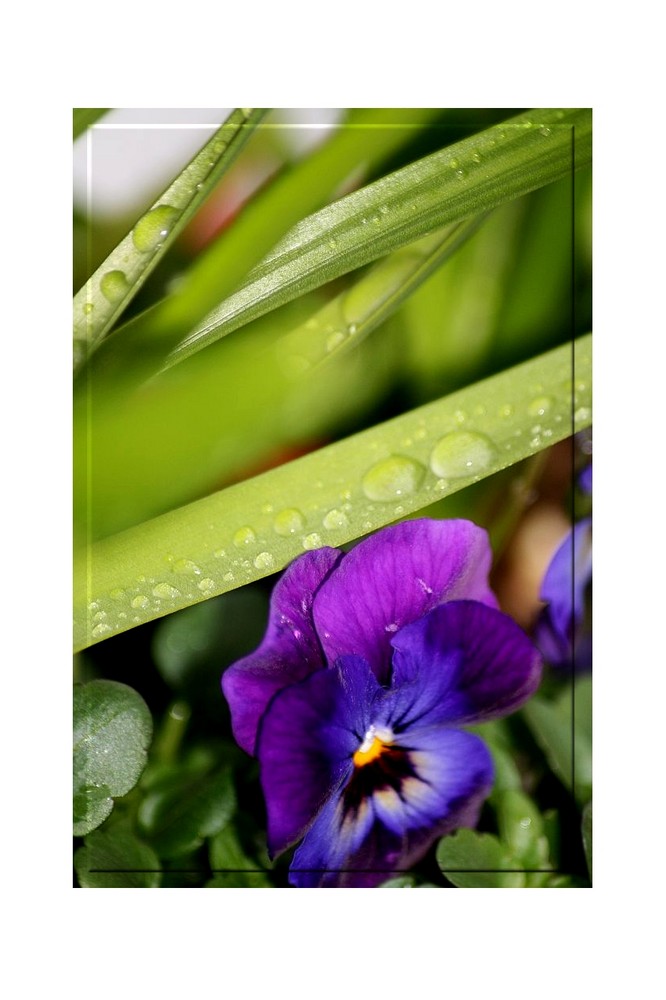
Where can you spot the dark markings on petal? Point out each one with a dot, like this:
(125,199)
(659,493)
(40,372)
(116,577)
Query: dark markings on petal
(389,770)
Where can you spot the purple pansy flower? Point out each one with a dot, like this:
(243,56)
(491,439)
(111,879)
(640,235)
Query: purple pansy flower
(559,633)
(353,702)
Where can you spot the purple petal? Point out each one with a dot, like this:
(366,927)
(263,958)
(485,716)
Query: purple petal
(463,662)
(390,831)
(306,742)
(563,589)
(394,578)
(289,651)
(585,479)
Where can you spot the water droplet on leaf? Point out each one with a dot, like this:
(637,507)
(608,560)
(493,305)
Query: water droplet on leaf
(312,541)
(153,228)
(393,477)
(462,453)
(113,285)
(335,519)
(244,536)
(288,521)
(165,590)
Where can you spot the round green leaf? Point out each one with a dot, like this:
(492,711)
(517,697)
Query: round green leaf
(112,732)
(116,859)
(478,861)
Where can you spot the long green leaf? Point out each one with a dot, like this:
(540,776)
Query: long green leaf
(115,283)
(468,177)
(348,318)
(332,496)
(139,348)
(83,118)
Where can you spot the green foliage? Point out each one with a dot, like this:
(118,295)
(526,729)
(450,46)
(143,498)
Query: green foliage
(114,858)
(186,803)
(112,732)
(563,730)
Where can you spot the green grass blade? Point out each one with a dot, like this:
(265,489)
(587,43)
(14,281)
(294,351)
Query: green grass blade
(83,118)
(464,179)
(332,496)
(348,318)
(114,284)
(139,348)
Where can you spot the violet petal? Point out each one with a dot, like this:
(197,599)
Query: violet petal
(306,742)
(289,651)
(395,577)
(463,662)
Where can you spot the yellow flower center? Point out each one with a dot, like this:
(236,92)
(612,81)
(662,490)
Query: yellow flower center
(362,757)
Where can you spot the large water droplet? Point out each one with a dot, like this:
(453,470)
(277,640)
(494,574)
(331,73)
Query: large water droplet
(393,477)
(140,601)
(335,519)
(244,536)
(288,521)
(165,590)
(153,228)
(462,453)
(206,584)
(100,630)
(114,285)
(264,561)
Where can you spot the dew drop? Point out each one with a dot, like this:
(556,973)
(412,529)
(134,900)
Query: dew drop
(462,453)
(582,413)
(165,590)
(312,541)
(539,406)
(288,521)
(88,308)
(100,630)
(264,561)
(460,173)
(151,231)
(453,164)
(113,285)
(244,536)
(206,584)
(228,577)
(545,131)
(334,340)
(186,567)
(393,477)
(140,601)
(506,410)
(117,594)
(476,157)
(332,244)
(335,519)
